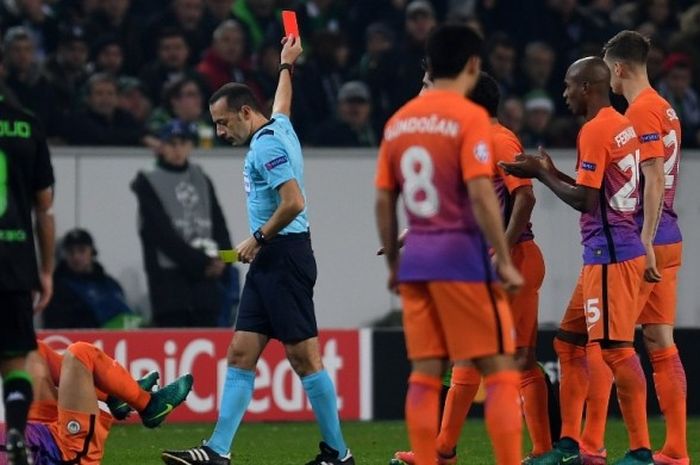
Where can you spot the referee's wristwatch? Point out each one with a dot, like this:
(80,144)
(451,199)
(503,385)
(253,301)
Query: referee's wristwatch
(289,67)
(259,237)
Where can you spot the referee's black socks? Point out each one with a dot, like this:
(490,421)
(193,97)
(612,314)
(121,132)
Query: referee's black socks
(17,396)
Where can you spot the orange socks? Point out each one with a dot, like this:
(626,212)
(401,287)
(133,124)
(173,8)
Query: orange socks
(671,390)
(600,385)
(422,411)
(631,393)
(465,384)
(502,411)
(109,376)
(533,391)
(573,387)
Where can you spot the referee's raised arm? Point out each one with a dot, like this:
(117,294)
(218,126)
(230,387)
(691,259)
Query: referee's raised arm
(291,50)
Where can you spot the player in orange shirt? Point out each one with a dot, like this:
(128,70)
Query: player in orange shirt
(659,131)
(436,153)
(517,200)
(65,422)
(603,306)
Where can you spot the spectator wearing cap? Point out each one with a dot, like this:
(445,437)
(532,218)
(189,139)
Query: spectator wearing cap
(102,122)
(84,295)
(26,80)
(107,56)
(172,62)
(420,20)
(183,100)
(227,59)
(675,86)
(186,16)
(378,69)
(539,109)
(67,70)
(182,227)
(537,66)
(133,100)
(352,125)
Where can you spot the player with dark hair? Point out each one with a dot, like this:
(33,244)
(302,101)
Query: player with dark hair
(26,187)
(277,299)
(436,153)
(659,131)
(603,306)
(65,423)
(517,201)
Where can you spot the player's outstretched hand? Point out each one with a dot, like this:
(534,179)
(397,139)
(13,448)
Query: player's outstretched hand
(651,272)
(511,279)
(524,166)
(291,49)
(247,250)
(45,293)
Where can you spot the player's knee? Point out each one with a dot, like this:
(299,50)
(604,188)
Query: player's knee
(239,357)
(304,364)
(78,352)
(658,336)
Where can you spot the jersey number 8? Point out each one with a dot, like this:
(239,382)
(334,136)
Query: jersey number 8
(417,170)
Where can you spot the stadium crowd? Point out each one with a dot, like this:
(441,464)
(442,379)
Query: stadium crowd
(114,72)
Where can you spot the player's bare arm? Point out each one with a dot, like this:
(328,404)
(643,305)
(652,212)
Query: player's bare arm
(487,213)
(291,50)
(291,204)
(46,233)
(653,170)
(388,226)
(523,204)
(581,198)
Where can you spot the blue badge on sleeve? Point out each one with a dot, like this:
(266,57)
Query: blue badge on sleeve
(649,137)
(281,160)
(588,166)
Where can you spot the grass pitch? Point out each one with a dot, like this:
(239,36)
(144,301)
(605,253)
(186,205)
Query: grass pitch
(372,443)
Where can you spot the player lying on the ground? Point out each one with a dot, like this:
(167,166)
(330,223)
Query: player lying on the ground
(66,424)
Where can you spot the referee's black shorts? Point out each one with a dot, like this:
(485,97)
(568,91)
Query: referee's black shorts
(277,298)
(17,335)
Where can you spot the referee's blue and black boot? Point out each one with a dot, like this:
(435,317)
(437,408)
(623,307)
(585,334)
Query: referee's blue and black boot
(17,397)
(330,456)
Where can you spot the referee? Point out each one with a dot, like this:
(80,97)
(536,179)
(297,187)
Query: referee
(26,185)
(277,299)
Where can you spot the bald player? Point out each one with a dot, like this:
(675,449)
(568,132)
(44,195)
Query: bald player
(603,306)
(659,131)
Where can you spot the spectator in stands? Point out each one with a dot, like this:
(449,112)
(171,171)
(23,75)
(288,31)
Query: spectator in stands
(113,18)
(37,17)
(171,63)
(320,15)
(539,109)
(378,68)
(84,295)
(538,65)
(188,17)
(67,70)
(267,72)
(226,61)
(352,125)
(102,122)
(675,86)
(420,20)
(183,100)
(500,62)
(655,62)
(107,56)
(659,16)
(181,227)
(134,100)
(259,19)
(25,78)
(218,11)
(512,114)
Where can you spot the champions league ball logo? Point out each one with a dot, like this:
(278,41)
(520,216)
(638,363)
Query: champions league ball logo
(73,427)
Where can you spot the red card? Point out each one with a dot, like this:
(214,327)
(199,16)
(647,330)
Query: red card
(289,20)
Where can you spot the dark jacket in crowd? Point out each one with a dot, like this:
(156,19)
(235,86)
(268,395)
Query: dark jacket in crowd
(181,294)
(90,128)
(80,300)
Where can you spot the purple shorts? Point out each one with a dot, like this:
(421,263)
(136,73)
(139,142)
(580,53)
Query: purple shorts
(40,442)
